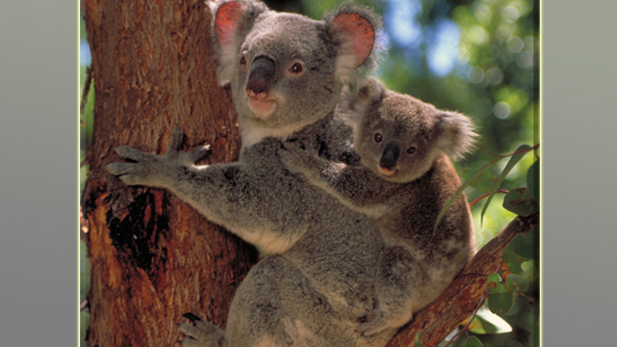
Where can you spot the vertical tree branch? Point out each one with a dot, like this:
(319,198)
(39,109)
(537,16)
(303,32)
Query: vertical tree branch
(153,257)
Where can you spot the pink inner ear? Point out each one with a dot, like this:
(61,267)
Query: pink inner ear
(359,31)
(227,19)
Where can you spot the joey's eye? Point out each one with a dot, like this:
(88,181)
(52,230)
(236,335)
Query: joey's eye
(296,68)
(378,137)
(411,150)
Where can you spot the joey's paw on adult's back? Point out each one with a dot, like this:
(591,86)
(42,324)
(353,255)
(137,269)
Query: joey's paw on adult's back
(298,156)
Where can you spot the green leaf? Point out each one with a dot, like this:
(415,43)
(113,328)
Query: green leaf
(524,245)
(486,322)
(417,340)
(483,183)
(514,265)
(521,202)
(501,303)
(460,190)
(476,326)
(495,284)
(502,177)
(473,341)
(533,180)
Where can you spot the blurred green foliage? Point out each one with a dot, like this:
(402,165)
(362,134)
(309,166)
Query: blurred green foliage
(478,57)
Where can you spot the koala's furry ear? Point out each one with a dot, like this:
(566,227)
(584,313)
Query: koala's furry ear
(456,134)
(353,28)
(231,20)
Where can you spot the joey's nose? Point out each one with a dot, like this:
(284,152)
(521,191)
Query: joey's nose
(260,78)
(389,156)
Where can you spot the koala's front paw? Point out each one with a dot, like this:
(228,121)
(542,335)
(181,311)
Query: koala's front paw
(154,170)
(374,323)
(200,333)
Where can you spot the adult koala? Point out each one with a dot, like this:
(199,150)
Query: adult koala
(286,74)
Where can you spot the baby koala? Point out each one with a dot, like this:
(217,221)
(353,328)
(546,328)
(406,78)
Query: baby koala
(404,181)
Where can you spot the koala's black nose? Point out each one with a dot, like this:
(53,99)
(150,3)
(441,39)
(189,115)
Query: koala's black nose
(389,156)
(261,77)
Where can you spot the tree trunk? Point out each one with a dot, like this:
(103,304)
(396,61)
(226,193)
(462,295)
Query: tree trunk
(153,257)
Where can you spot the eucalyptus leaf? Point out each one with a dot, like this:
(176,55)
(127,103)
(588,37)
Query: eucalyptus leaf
(495,284)
(521,202)
(476,326)
(501,303)
(417,340)
(514,264)
(524,245)
(473,341)
(533,180)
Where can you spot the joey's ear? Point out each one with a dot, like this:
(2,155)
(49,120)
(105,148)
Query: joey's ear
(455,132)
(353,29)
(231,20)
(358,99)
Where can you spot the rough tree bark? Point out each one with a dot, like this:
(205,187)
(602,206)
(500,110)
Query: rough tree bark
(153,257)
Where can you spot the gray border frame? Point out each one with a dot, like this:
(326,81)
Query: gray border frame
(578,190)
(38,181)
(38,173)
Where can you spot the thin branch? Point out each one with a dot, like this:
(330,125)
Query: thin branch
(521,151)
(485,195)
(487,151)
(501,156)
(530,300)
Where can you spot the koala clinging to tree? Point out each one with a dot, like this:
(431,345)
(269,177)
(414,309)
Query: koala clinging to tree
(404,181)
(286,74)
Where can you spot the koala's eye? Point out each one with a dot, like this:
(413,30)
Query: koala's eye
(411,150)
(378,137)
(243,62)
(296,68)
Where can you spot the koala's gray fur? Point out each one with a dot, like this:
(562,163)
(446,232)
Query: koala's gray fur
(404,192)
(318,274)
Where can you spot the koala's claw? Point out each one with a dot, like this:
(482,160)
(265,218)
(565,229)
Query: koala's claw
(177,139)
(130,153)
(367,318)
(192,317)
(121,169)
(372,324)
(200,153)
(132,173)
(129,173)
